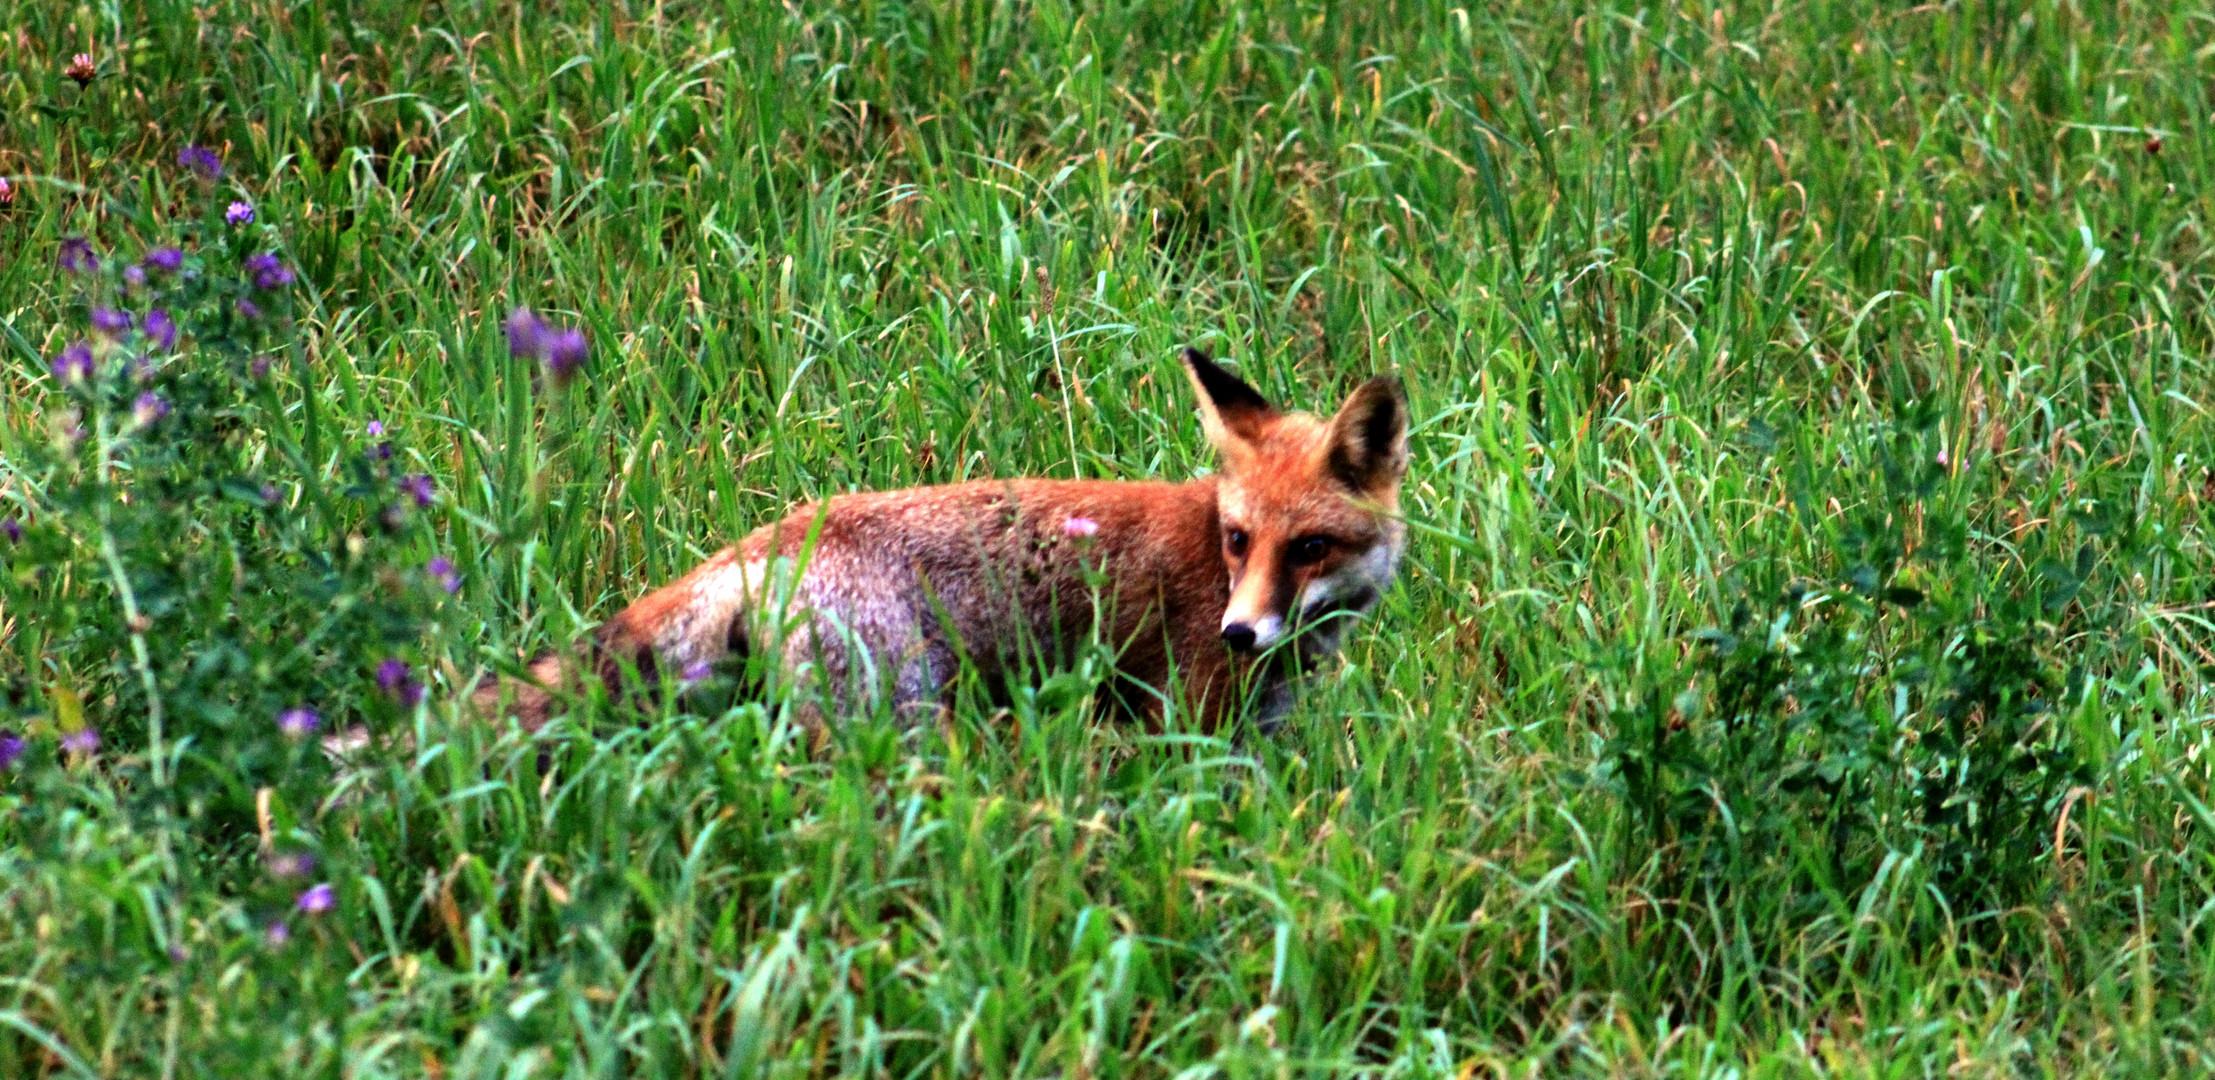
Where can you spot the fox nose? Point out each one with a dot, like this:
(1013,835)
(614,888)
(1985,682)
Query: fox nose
(1239,636)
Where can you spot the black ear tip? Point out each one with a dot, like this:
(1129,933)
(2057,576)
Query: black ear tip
(1194,357)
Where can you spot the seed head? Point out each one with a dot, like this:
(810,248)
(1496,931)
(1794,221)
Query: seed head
(76,256)
(201,160)
(80,69)
(111,323)
(239,214)
(298,721)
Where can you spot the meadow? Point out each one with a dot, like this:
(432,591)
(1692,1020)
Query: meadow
(1798,668)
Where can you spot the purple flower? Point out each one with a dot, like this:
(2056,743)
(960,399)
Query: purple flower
(392,678)
(239,214)
(565,355)
(161,329)
(249,309)
(376,427)
(259,367)
(381,452)
(12,529)
(298,721)
(76,256)
(526,333)
(168,260)
(277,934)
(84,740)
(269,272)
(292,864)
(81,70)
(317,900)
(111,323)
(11,748)
(134,278)
(74,365)
(442,570)
(7,194)
(149,409)
(1080,528)
(201,160)
(418,487)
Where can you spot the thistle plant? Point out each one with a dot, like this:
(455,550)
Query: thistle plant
(206,578)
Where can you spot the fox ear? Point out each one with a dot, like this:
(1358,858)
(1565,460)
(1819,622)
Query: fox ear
(1368,438)
(1230,410)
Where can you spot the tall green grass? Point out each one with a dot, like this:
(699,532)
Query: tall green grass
(1690,301)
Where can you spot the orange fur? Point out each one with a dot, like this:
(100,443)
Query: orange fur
(888,592)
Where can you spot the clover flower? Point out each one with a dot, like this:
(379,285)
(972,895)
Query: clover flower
(376,427)
(84,740)
(134,278)
(76,256)
(161,329)
(80,70)
(696,671)
(201,160)
(1080,528)
(277,934)
(292,864)
(74,365)
(111,323)
(298,721)
(7,193)
(12,529)
(268,272)
(168,260)
(258,367)
(11,748)
(442,570)
(317,900)
(249,309)
(418,487)
(239,214)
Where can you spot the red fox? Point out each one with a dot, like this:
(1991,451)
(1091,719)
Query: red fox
(1242,579)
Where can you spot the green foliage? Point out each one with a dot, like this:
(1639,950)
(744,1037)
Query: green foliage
(1798,669)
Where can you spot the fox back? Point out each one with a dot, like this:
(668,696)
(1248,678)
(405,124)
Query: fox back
(1217,591)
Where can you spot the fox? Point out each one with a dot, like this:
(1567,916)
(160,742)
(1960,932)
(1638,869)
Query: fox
(1216,594)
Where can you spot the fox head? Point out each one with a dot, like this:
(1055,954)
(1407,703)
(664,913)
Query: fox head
(1309,507)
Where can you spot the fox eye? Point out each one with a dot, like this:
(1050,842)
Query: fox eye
(1309,549)
(1235,541)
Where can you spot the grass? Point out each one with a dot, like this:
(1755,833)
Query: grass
(1690,302)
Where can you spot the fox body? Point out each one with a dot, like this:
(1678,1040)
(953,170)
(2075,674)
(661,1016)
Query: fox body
(1235,581)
